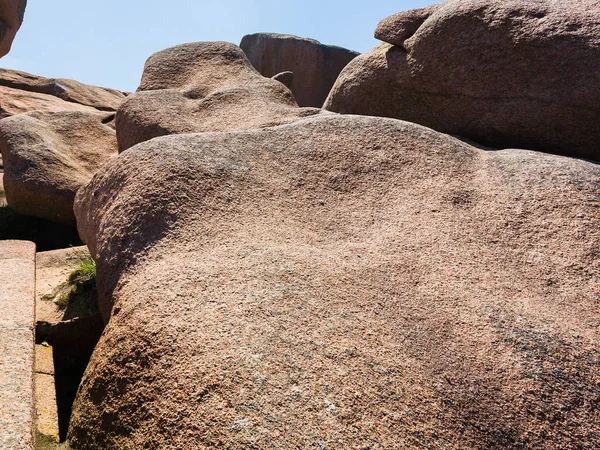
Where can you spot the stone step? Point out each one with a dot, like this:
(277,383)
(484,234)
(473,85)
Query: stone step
(47,432)
(17,341)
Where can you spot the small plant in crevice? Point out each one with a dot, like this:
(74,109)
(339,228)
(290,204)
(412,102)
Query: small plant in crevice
(77,296)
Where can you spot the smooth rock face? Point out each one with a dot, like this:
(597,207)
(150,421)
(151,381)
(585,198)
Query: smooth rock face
(315,66)
(342,281)
(511,73)
(103,99)
(201,87)
(11,18)
(48,156)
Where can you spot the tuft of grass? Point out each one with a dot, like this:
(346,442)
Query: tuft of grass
(81,284)
(84,271)
(78,294)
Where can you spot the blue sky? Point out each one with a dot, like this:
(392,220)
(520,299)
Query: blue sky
(106,43)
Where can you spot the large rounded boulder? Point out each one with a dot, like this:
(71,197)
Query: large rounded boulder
(341,282)
(315,66)
(511,73)
(201,87)
(48,156)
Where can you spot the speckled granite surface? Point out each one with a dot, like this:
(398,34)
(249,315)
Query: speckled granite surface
(17,291)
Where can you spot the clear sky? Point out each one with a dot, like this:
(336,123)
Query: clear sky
(106,42)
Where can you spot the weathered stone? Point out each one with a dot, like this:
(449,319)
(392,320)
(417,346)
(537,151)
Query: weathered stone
(44,361)
(285,78)
(46,417)
(102,99)
(17,278)
(315,66)
(16,389)
(21,92)
(504,74)
(11,18)
(17,101)
(201,87)
(355,281)
(401,26)
(48,156)
(17,289)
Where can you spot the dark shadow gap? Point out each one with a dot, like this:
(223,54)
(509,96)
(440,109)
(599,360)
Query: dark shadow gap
(69,370)
(47,235)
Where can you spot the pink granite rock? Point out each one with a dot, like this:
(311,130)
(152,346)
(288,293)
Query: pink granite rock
(11,18)
(17,291)
(315,66)
(203,87)
(513,73)
(74,92)
(357,281)
(48,156)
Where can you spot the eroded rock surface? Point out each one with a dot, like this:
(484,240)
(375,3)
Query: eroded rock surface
(202,87)
(401,26)
(507,74)
(48,156)
(18,101)
(315,66)
(71,91)
(341,281)
(21,92)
